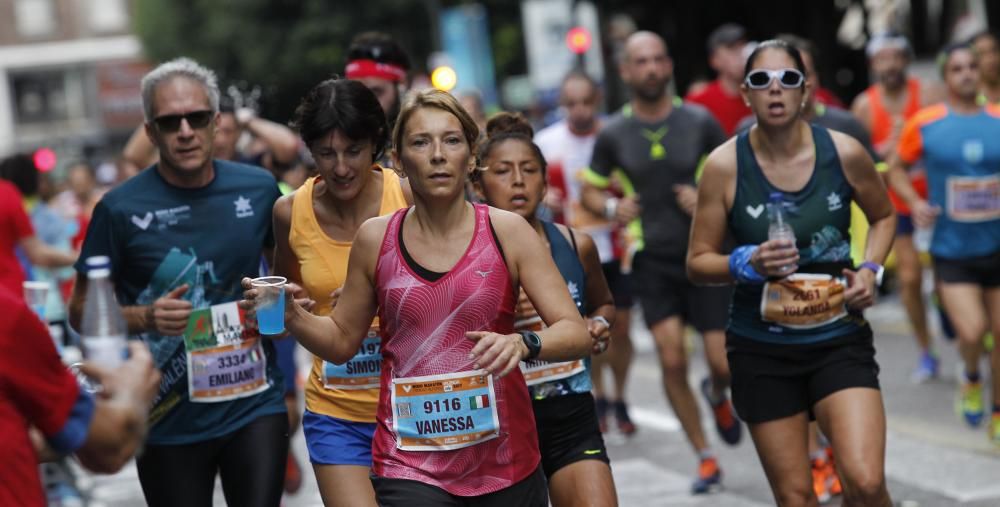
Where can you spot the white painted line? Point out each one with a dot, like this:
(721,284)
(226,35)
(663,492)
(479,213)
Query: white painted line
(957,474)
(653,419)
(639,481)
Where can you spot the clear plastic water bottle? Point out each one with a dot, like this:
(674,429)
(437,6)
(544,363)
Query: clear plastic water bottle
(778,226)
(103,331)
(922,237)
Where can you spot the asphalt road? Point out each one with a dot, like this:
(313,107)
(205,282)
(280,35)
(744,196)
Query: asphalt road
(932,458)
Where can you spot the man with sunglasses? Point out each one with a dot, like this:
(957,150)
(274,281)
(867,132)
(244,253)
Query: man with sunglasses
(655,146)
(274,146)
(180,236)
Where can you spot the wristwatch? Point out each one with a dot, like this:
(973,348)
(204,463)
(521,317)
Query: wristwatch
(533,342)
(876,268)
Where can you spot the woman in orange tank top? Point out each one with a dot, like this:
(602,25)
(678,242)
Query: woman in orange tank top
(342,124)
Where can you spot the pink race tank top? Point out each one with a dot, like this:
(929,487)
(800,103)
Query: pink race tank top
(440,421)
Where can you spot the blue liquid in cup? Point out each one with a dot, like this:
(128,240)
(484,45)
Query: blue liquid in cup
(39,310)
(271,317)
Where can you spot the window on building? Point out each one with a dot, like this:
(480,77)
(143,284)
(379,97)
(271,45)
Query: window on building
(35,18)
(105,16)
(42,97)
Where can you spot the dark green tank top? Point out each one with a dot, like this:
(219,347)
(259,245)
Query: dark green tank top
(819,213)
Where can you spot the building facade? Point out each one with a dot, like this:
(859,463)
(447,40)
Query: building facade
(69,76)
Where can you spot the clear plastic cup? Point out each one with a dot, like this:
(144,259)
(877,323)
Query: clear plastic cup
(270,304)
(35,295)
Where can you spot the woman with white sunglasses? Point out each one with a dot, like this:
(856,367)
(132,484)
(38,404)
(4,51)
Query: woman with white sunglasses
(798,345)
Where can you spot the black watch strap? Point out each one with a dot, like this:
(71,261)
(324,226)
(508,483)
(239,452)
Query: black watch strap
(533,342)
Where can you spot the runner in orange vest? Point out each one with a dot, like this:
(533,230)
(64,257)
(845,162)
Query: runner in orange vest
(882,109)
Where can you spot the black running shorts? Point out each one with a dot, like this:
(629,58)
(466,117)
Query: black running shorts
(568,431)
(771,381)
(619,283)
(664,291)
(530,492)
(983,271)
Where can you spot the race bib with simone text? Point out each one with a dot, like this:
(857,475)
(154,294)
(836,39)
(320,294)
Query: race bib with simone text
(362,371)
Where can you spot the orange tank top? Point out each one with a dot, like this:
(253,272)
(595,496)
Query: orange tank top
(882,120)
(884,123)
(349,391)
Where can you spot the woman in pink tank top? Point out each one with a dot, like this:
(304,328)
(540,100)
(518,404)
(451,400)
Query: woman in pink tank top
(454,423)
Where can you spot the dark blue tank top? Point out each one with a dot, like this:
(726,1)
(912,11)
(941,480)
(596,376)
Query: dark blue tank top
(819,213)
(568,261)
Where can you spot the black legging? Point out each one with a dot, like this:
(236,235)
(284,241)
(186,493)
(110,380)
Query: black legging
(250,461)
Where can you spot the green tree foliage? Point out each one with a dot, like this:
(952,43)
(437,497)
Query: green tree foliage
(283,46)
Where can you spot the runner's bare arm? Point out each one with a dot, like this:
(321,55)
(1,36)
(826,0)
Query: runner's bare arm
(898,179)
(706,263)
(870,194)
(592,198)
(336,338)
(600,302)
(281,140)
(118,427)
(139,149)
(136,317)
(566,336)
(861,110)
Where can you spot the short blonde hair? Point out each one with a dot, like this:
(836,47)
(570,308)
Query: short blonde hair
(436,99)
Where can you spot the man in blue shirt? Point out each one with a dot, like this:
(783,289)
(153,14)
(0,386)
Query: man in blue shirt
(180,236)
(957,142)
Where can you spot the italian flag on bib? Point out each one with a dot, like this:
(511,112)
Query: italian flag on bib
(481,401)
(254,355)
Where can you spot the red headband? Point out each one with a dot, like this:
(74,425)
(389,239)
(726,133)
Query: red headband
(370,68)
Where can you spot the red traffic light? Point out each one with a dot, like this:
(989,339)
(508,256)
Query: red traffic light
(578,40)
(44,159)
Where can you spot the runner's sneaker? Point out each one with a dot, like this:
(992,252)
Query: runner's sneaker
(995,429)
(726,423)
(709,477)
(821,480)
(601,406)
(926,370)
(970,402)
(293,474)
(625,425)
(835,486)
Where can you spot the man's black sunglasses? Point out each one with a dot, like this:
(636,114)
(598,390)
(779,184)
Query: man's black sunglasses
(172,122)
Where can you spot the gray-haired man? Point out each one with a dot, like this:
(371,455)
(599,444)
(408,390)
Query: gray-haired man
(180,236)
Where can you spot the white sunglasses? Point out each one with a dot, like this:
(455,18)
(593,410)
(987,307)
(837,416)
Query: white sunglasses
(762,78)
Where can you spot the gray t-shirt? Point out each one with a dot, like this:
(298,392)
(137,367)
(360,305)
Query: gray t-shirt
(832,118)
(651,158)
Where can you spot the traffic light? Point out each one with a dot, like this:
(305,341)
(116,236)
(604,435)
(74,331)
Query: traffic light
(578,40)
(45,159)
(444,78)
